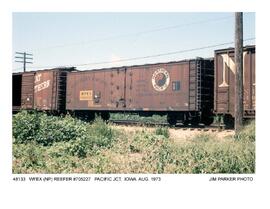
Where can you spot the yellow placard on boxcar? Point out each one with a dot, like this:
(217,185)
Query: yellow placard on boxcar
(86,95)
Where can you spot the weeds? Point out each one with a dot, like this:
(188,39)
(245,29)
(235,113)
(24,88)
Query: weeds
(248,133)
(126,116)
(163,131)
(48,144)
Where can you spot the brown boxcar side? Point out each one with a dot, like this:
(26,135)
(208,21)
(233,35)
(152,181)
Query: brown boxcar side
(176,86)
(182,92)
(224,97)
(150,87)
(27,93)
(40,90)
(22,91)
(43,88)
(50,89)
(90,90)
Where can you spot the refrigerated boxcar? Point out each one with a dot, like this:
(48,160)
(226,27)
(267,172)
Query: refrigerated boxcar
(225,83)
(43,90)
(182,90)
(50,89)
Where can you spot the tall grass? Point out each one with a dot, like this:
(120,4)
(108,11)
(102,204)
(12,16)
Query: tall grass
(47,144)
(248,132)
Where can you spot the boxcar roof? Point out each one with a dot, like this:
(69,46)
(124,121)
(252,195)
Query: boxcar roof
(44,70)
(142,65)
(231,49)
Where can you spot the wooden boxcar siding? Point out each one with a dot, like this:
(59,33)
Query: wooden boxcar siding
(225,81)
(50,89)
(135,88)
(92,89)
(27,93)
(141,93)
(44,85)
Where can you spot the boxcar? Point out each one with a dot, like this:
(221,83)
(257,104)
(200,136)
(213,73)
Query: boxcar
(43,90)
(22,91)
(182,90)
(224,97)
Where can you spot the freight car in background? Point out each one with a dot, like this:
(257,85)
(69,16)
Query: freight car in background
(181,90)
(225,83)
(43,90)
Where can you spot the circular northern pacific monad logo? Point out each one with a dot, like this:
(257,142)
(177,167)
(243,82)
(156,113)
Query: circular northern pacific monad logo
(160,79)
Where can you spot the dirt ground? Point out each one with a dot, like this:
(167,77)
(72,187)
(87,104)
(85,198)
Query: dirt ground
(179,135)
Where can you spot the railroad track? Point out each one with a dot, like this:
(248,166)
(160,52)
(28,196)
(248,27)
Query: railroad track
(200,127)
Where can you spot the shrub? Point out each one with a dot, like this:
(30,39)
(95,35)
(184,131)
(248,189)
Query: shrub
(28,156)
(97,135)
(25,126)
(54,129)
(101,133)
(46,130)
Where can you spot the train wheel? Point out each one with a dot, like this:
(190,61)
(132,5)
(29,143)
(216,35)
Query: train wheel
(194,121)
(171,119)
(186,122)
(207,120)
(105,116)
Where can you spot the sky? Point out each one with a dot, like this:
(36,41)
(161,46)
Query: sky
(83,39)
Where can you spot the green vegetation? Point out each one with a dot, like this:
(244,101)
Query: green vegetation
(163,131)
(248,133)
(136,117)
(48,144)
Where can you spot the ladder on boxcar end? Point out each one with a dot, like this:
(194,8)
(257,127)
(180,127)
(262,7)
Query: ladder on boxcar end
(54,90)
(199,83)
(195,85)
(192,85)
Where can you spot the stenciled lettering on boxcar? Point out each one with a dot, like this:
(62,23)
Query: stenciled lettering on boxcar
(229,62)
(40,86)
(86,95)
(160,79)
(37,78)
